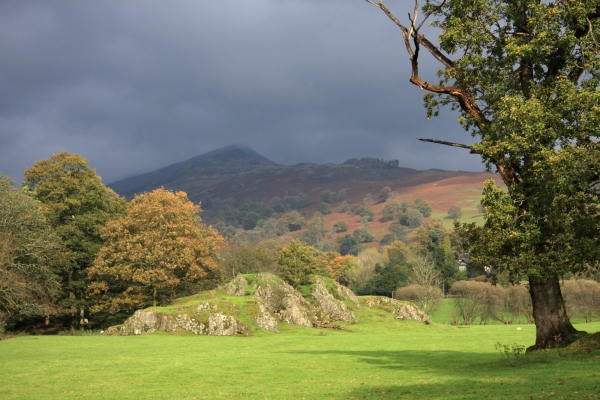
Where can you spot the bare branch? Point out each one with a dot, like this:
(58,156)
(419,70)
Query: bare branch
(462,146)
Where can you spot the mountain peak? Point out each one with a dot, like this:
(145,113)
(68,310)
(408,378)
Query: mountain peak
(247,159)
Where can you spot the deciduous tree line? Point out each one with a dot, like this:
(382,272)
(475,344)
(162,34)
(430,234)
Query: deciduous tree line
(70,246)
(72,251)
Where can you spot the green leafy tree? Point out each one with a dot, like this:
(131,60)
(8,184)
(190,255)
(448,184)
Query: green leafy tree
(30,251)
(153,253)
(349,245)
(297,263)
(393,210)
(525,79)
(363,235)
(411,218)
(324,208)
(77,205)
(295,221)
(367,215)
(454,212)
(384,194)
(340,226)
(314,233)
(250,220)
(386,280)
(424,207)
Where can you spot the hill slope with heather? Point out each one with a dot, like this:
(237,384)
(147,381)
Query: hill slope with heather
(235,181)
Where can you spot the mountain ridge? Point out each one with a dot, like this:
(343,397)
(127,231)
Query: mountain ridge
(147,181)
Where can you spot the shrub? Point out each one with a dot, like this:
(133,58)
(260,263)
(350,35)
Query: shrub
(482,300)
(393,210)
(340,226)
(411,218)
(582,298)
(424,207)
(324,208)
(427,298)
(454,212)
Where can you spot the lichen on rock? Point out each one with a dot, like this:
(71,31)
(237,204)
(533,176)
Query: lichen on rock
(403,311)
(237,287)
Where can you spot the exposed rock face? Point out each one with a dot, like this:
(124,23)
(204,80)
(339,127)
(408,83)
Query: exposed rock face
(237,286)
(281,299)
(344,292)
(288,305)
(402,311)
(148,321)
(204,307)
(330,308)
(276,300)
(145,321)
(224,325)
(266,321)
(190,324)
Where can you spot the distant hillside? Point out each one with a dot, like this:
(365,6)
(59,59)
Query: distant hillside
(239,188)
(197,173)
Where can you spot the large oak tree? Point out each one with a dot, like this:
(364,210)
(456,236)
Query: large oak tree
(153,253)
(524,76)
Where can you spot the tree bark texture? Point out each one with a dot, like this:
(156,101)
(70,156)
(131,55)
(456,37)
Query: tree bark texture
(553,327)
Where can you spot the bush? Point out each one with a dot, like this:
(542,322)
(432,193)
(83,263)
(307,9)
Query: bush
(367,215)
(411,218)
(582,298)
(427,298)
(324,208)
(340,226)
(454,212)
(363,236)
(485,301)
(424,207)
(393,210)
(388,239)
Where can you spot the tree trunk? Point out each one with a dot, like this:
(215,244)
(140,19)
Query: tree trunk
(552,325)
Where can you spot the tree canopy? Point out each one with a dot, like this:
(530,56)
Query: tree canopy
(77,205)
(151,254)
(29,253)
(524,77)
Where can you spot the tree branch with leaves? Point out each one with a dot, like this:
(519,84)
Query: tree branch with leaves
(524,77)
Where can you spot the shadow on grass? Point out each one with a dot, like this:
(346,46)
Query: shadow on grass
(453,374)
(481,389)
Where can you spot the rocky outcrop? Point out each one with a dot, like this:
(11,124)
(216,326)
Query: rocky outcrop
(145,321)
(403,311)
(224,325)
(330,309)
(276,301)
(408,311)
(266,321)
(288,305)
(148,321)
(281,299)
(237,287)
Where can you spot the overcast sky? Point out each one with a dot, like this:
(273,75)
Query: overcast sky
(136,85)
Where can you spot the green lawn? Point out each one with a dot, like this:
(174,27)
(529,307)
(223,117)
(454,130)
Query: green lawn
(380,358)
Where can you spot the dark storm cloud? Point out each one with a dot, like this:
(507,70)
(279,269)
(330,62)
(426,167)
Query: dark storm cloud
(133,86)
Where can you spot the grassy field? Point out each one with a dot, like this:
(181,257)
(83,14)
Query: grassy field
(380,358)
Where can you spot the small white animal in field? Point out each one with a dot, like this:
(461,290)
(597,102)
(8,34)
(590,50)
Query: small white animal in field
(518,329)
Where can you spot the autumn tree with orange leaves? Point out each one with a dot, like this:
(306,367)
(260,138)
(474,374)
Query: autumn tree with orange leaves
(153,254)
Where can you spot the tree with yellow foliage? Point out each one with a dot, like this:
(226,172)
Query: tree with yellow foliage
(152,254)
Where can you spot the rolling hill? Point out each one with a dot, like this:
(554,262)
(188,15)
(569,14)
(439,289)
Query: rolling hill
(240,175)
